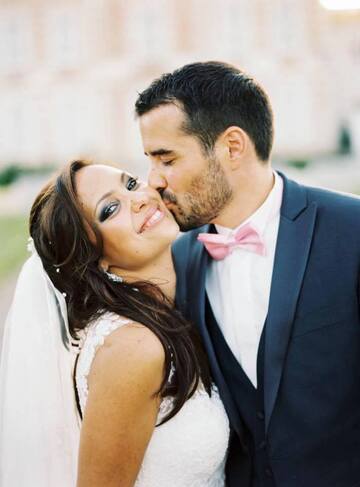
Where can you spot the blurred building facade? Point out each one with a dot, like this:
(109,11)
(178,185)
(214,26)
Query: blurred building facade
(70,70)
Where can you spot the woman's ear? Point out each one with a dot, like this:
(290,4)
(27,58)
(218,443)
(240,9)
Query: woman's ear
(103,265)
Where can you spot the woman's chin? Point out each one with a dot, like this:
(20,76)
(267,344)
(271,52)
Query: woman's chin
(169,223)
(173,231)
(164,231)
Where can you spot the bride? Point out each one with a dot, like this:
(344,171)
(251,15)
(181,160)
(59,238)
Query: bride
(95,303)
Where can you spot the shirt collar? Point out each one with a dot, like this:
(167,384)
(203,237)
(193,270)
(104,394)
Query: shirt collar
(264,214)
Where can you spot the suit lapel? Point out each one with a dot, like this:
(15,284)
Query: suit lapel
(196,276)
(297,220)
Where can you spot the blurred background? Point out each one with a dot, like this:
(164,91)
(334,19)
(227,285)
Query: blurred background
(70,71)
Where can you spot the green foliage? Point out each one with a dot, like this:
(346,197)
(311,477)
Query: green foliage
(298,163)
(344,141)
(12,172)
(14,234)
(9,174)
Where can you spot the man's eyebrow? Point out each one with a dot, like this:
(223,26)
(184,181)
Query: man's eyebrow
(159,152)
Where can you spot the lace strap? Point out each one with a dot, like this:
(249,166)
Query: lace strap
(93,338)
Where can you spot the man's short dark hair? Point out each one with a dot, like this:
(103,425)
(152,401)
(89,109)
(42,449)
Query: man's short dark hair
(214,96)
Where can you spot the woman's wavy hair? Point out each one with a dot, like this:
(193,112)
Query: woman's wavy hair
(59,229)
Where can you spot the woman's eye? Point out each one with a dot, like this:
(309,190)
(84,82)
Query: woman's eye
(132,184)
(107,211)
(168,163)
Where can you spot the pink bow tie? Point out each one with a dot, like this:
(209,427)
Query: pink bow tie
(220,246)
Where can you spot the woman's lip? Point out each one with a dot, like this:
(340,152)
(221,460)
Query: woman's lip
(152,218)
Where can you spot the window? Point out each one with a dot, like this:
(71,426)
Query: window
(63,38)
(16,46)
(149,28)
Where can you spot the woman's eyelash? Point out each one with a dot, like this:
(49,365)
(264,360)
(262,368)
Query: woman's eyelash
(132,184)
(168,163)
(107,211)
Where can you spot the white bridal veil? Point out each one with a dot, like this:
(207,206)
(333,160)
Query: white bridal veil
(39,423)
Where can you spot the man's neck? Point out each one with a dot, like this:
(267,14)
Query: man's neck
(251,192)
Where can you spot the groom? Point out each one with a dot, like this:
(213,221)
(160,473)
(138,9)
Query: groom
(268,270)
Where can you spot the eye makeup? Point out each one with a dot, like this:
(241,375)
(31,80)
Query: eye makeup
(131,184)
(108,210)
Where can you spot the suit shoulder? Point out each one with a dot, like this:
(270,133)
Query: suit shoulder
(338,203)
(186,241)
(334,197)
(184,252)
(337,212)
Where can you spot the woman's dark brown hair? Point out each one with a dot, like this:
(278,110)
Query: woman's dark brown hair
(61,237)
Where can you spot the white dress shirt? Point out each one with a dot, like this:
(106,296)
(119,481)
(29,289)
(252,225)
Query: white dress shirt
(238,287)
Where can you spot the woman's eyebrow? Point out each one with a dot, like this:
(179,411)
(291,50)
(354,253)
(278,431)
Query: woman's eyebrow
(106,195)
(109,193)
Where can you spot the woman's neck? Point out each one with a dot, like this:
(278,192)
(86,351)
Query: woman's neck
(160,272)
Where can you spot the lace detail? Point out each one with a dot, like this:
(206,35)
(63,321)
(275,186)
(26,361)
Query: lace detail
(92,339)
(189,449)
(166,404)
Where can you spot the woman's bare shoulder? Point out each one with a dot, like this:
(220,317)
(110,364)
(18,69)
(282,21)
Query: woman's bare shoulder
(132,350)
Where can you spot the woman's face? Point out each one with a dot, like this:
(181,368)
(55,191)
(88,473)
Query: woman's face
(135,225)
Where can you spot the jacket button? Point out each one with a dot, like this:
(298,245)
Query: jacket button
(260,415)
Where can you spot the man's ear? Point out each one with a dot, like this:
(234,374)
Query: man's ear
(236,141)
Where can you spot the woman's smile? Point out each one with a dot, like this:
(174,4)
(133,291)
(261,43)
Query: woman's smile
(154,216)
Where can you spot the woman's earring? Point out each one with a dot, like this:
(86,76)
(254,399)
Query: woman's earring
(113,277)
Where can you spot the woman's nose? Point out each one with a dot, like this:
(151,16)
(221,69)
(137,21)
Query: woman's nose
(139,199)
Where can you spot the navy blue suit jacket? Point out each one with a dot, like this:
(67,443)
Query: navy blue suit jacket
(312,339)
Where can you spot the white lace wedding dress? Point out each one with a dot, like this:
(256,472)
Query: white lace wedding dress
(187,451)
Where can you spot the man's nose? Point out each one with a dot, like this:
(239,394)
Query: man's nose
(156,180)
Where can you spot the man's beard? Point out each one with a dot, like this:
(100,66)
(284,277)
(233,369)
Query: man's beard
(207,196)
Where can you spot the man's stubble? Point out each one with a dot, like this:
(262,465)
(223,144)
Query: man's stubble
(207,196)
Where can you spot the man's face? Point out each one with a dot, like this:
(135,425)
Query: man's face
(192,184)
